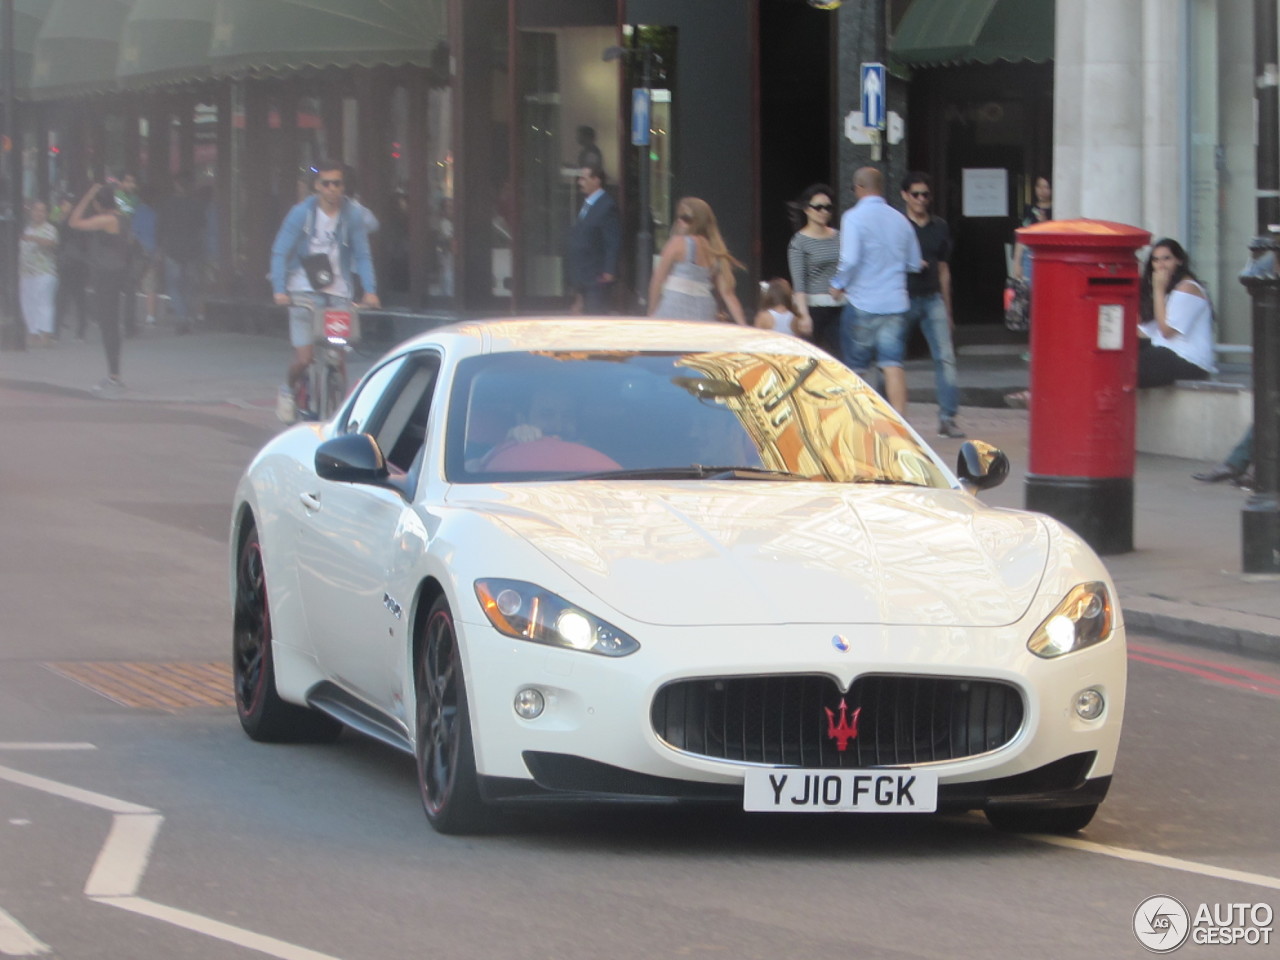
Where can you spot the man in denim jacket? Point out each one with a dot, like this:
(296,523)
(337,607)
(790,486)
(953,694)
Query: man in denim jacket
(324,223)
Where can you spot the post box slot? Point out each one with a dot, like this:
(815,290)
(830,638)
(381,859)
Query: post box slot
(1112,281)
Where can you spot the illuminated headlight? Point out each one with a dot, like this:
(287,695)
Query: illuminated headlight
(1083,618)
(526,612)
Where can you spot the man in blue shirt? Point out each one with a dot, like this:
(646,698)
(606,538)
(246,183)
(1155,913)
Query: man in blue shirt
(878,248)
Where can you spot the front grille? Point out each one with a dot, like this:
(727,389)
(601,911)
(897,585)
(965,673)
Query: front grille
(783,720)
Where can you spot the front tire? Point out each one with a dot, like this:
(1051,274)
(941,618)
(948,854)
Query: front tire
(335,391)
(1061,820)
(446,757)
(263,715)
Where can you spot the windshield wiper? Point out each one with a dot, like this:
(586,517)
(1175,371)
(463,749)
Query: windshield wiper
(888,481)
(747,473)
(694,471)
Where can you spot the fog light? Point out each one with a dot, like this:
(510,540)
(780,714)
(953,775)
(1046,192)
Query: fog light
(530,703)
(1089,704)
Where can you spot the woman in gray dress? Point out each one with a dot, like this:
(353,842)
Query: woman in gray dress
(694,267)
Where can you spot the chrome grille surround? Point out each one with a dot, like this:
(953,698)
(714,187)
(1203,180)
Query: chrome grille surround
(781,720)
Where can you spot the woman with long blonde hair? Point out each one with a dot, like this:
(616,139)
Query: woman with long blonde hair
(695,266)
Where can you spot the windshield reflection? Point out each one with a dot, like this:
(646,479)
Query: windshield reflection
(698,415)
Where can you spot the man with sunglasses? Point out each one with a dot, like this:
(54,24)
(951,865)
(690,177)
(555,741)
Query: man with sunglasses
(930,293)
(325,224)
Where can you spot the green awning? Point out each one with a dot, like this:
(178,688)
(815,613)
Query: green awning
(28,17)
(281,36)
(938,32)
(166,41)
(76,49)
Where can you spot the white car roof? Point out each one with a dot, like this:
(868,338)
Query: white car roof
(519,334)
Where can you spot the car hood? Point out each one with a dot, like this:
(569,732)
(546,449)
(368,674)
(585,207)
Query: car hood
(763,552)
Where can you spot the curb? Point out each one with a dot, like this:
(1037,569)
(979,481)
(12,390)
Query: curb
(1205,626)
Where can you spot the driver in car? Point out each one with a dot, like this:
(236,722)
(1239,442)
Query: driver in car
(551,413)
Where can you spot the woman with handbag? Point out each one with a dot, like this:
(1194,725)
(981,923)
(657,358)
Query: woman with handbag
(109,262)
(695,269)
(1017,306)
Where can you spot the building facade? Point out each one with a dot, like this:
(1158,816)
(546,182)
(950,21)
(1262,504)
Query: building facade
(466,121)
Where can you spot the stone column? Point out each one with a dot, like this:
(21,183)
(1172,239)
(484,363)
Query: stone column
(1098,110)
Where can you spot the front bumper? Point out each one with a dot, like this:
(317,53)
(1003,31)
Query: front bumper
(563,778)
(596,738)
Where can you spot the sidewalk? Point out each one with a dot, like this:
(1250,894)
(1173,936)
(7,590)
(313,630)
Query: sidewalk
(1182,581)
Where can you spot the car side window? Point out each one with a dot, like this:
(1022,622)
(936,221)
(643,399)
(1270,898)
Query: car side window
(402,427)
(371,392)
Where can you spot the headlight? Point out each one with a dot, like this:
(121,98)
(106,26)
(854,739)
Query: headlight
(521,610)
(1084,618)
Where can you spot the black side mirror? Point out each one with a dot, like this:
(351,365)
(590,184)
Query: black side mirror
(981,466)
(352,458)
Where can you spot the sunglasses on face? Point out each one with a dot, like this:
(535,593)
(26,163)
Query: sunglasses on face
(685,217)
(920,194)
(330,183)
(821,207)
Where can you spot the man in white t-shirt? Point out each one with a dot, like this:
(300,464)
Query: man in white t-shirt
(325,223)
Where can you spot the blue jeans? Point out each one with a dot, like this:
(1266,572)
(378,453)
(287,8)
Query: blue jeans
(871,339)
(930,312)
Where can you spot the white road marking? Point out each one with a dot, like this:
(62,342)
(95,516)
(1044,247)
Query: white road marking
(88,797)
(47,746)
(216,929)
(1159,860)
(16,941)
(123,858)
(119,869)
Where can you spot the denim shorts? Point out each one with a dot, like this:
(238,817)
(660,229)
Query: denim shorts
(872,339)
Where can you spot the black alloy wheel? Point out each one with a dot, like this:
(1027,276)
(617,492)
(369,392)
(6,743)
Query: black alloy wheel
(263,714)
(446,759)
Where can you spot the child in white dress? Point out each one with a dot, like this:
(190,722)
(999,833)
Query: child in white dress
(777,310)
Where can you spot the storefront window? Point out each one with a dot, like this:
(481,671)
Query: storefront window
(1220,210)
(567,95)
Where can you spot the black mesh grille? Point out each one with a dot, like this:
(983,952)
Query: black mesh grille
(784,720)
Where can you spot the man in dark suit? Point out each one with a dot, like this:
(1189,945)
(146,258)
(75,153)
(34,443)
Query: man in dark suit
(593,245)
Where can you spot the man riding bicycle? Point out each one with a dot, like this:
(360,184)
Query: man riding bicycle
(320,248)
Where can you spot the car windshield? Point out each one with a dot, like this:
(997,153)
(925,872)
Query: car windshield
(646,415)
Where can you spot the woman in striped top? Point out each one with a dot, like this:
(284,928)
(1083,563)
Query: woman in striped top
(813,255)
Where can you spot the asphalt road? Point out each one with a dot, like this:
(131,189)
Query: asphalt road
(154,833)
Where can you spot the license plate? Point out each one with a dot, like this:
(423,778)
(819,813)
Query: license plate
(840,791)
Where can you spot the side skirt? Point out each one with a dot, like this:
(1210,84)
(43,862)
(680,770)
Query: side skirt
(328,697)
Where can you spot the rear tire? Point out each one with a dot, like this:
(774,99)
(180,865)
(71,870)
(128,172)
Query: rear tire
(1060,820)
(446,757)
(263,715)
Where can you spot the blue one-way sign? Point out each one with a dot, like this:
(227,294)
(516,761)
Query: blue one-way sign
(874,93)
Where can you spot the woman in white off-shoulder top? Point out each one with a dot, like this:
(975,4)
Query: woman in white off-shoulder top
(1177,320)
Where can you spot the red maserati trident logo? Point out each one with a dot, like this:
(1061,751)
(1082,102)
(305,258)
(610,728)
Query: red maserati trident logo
(845,730)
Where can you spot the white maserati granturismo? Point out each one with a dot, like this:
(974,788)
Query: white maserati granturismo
(620,558)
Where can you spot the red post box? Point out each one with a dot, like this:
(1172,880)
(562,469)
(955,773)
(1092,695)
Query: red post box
(1084,370)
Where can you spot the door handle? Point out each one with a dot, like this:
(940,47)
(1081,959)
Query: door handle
(310,500)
